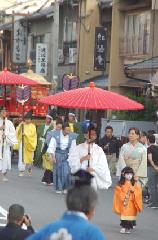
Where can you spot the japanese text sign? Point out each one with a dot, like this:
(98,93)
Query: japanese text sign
(41,59)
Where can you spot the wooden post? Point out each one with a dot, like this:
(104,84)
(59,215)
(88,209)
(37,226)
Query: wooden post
(55,39)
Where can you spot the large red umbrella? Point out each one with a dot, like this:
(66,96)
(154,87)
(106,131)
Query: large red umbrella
(92,98)
(9,78)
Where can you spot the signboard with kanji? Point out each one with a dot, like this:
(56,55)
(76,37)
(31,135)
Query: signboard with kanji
(41,59)
(100,49)
(20,42)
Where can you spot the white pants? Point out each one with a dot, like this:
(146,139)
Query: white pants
(5,158)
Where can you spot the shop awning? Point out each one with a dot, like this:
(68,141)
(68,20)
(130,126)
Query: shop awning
(131,83)
(99,81)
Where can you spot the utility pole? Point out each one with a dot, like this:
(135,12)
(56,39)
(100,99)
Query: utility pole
(55,40)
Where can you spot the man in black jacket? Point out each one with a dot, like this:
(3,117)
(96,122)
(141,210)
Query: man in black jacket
(13,230)
(110,146)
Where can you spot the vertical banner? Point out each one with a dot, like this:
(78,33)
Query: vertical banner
(41,59)
(99,50)
(20,42)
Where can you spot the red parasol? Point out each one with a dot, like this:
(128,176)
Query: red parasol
(92,98)
(9,78)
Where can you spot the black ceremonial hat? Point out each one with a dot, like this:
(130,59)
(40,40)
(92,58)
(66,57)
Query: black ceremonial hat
(52,114)
(82,177)
(29,114)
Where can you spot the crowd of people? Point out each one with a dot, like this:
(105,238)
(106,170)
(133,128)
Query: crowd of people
(65,148)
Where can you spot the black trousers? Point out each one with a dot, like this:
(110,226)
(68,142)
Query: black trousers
(128,224)
(48,177)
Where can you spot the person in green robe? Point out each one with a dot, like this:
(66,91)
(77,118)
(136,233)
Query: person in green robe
(42,131)
(75,127)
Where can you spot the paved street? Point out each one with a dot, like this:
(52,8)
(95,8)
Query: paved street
(45,206)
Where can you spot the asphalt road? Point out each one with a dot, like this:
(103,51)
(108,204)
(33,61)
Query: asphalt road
(45,206)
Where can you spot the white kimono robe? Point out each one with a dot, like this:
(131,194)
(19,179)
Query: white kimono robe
(98,161)
(8,141)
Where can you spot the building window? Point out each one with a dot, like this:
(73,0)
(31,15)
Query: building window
(34,41)
(136,35)
(69,30)
(69,41)
(37,39)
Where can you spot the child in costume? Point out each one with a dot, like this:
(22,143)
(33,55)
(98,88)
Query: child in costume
(127,202)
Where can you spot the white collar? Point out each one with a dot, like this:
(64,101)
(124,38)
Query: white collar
(80,214)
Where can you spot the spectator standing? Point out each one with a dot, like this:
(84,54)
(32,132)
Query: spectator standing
(143,139)
(13,230)
(153,171)
(110,146)
(81,201)
(133,154)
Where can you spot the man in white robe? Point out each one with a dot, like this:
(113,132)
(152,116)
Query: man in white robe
(95,162)
(7,140)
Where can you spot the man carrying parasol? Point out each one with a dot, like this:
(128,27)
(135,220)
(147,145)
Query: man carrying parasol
(90,157)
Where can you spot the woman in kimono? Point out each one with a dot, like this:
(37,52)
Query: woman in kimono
(133,154)
(127,202)
(30,141)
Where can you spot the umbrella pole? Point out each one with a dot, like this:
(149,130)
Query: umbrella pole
(89,133)
(88,152)
(5,94)
(23,131)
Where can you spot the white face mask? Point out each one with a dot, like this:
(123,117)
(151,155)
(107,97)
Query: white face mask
(128,176)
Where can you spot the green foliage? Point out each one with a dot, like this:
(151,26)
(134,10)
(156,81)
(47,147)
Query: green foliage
(148,114)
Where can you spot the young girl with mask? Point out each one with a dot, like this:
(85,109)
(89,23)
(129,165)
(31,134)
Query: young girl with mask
(127,202)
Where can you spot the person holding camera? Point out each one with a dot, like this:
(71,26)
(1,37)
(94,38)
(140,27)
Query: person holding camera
(16,218)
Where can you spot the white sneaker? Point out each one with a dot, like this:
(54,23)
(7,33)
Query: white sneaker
(4,179)
(59,192)
(21,174)
(123,230)
(49,184)
(65,191)
(44,183)
(128,231)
